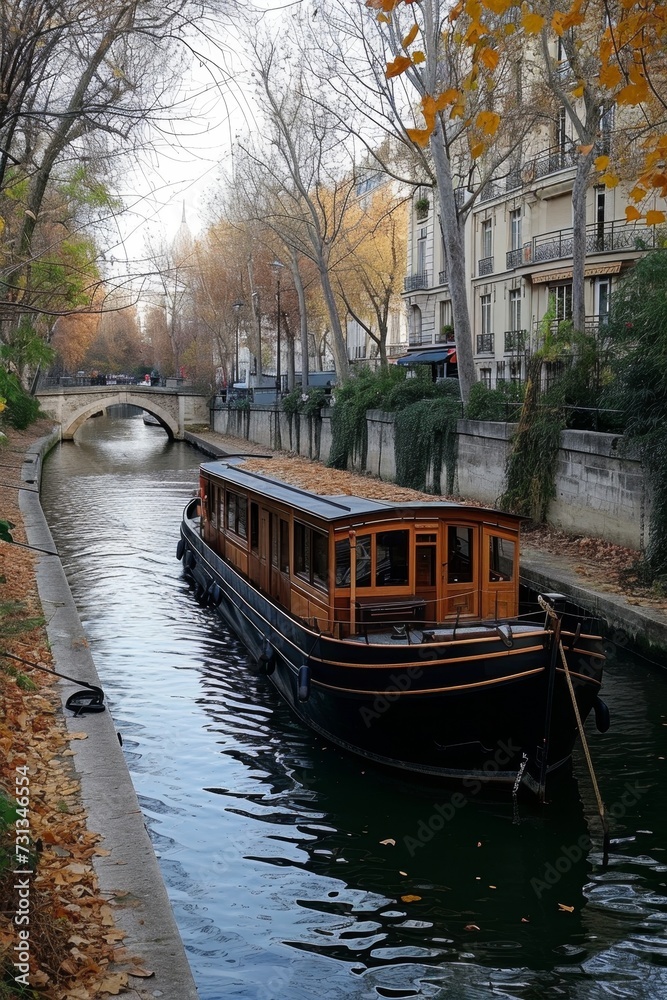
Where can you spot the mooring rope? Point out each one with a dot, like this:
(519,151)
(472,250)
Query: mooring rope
(90,700)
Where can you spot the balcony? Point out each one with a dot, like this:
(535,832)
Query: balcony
(514,258)
(442,277)
(485,266)
(489,191)
(415,282)
(609,237)
(484,343)
(549,162)
(515,341)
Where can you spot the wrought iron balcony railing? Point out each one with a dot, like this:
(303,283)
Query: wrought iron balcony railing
(414,282)
(485,343)
(485,266)
(600,238)
(515,341)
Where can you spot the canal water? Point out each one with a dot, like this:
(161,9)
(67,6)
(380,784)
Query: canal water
(296,871)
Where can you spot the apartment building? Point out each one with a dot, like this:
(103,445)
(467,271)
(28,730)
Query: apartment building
(518,245)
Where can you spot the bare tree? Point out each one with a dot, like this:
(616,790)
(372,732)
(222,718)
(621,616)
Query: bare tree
(467,141)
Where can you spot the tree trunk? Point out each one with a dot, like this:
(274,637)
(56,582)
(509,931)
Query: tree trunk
(579,241)
(303,314)
(452,234)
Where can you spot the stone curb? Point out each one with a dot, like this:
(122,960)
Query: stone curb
(130,875)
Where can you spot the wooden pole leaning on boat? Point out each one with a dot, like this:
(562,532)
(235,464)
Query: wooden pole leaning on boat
(558,644)
(555,641)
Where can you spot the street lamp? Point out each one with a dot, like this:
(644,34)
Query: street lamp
(237,307)
(276,265)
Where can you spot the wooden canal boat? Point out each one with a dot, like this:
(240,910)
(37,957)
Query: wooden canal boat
(393,629)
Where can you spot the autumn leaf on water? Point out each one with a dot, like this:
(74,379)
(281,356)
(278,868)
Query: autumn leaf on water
(389,841)
(410,899)
(565,908)
(471,927)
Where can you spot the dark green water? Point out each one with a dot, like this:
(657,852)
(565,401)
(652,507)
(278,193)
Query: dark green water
(270,842)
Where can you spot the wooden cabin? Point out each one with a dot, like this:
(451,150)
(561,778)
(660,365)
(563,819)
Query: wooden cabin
(345,564)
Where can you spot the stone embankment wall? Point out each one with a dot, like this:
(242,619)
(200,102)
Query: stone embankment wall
(600,488)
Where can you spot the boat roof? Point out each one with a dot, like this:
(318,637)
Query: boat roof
(330,507)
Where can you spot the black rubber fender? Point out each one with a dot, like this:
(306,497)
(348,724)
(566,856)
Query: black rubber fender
(602,715)
(303,683)
(266,661)
(180,548)
(214,594)
(189,560)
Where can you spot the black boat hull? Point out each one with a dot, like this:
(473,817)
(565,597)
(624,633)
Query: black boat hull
(468,709)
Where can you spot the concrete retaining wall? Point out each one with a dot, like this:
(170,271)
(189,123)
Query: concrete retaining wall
(599,485)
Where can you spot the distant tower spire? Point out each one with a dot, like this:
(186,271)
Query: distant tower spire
(184,221)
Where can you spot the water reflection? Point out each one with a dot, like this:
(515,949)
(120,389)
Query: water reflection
(271,842)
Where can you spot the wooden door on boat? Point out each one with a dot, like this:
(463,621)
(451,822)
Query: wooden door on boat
(460,572)
(279,570)
(499,573)
(426,571)
(258,556)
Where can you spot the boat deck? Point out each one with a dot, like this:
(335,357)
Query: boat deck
(404,635)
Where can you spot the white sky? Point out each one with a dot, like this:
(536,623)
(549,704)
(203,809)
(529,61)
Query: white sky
(184,167)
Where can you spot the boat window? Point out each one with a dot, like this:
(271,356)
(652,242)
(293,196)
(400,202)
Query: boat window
(427,538)
(391,558)
(231,510)
(363,562)
(301,550)
(242,517)
(459,555)
(284,546)
(425,565)
(501,558)
(237,514)
(221,508)
(320,559)
(311,554)
(254,527)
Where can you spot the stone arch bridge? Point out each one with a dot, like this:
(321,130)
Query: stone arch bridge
(176,409)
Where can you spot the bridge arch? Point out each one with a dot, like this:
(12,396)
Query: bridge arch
(74,420)
(174,408)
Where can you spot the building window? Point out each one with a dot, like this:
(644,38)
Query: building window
(515,371)
(501,371)
(416,325)
(563,296)
(561,133)
(446,326)
(515,229)
(599,217)
(487,238)
(421,252)
(515,309)
(485,377)
(485,310)
(602,299)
